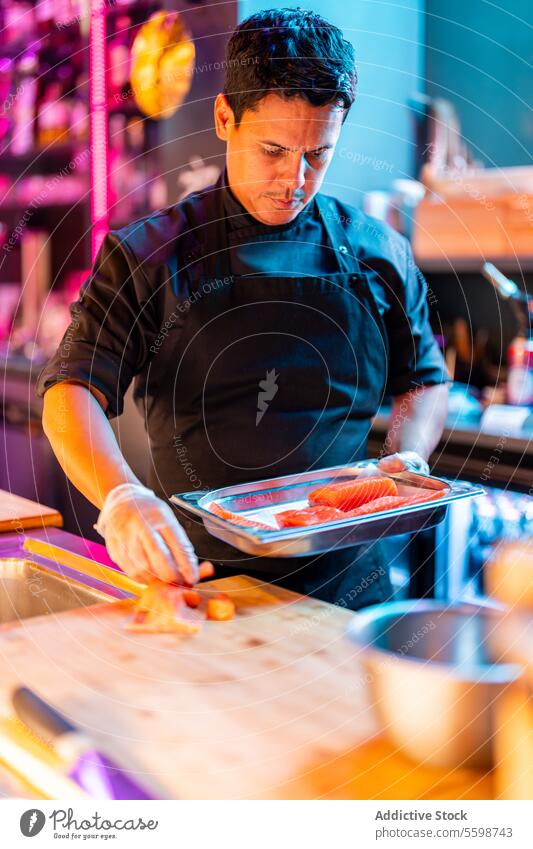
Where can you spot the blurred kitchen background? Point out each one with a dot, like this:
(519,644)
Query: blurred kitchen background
(106,115)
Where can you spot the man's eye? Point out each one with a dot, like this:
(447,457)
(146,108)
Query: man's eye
(271,151)
(319,154)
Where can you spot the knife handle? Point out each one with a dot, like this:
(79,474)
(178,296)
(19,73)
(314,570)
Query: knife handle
(40,716)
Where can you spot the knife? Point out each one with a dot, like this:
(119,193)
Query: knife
(91,769)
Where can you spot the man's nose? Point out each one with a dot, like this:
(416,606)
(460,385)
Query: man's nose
(292,174)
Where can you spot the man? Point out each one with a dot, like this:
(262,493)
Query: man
(263,323)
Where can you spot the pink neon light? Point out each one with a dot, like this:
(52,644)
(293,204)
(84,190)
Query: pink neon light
(98,125)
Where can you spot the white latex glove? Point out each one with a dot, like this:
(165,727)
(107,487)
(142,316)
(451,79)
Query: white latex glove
(144,538)
(402,461)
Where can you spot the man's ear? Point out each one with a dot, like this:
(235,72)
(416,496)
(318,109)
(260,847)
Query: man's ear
(224,117)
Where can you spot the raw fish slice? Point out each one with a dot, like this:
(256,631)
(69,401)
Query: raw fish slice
(389,502)
(351,494)
(308,516)
(421,497)
(235,517)
(320,513)
(162,609)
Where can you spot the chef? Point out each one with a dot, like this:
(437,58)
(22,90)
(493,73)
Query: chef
(262,322)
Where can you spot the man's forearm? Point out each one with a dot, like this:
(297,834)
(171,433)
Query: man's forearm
(84,442)
(417,420)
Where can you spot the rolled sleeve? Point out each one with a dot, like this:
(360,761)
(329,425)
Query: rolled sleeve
(107,341)
(415,358)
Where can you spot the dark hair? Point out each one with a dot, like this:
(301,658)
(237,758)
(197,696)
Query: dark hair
(290,52)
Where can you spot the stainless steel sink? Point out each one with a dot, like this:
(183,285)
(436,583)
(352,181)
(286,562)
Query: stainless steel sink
(29,589)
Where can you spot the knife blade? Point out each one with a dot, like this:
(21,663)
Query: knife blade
(90,768)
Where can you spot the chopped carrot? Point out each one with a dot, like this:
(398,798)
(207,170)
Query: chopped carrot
(206,570)
(220,608)
(192,598)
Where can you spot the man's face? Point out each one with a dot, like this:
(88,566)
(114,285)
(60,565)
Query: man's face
(278,156)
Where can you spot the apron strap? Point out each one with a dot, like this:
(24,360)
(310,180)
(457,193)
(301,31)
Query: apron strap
(206,239)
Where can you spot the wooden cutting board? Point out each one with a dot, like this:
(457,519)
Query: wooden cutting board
(17,513)
(273,704)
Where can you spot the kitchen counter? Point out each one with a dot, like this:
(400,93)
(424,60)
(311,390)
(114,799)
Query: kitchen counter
(464,451)
(273,704)
(17,513)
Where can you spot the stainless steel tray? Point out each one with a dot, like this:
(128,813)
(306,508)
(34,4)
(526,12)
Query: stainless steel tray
(262,499)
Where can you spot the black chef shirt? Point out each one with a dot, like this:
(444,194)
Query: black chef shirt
(122,306)
(257,248)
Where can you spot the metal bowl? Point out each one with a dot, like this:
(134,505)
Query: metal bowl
(432,677)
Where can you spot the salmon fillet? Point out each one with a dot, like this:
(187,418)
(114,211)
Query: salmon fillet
(308,516)
(235,517)
(335,501)
(389,502)
(320,513)
(421,497)
(351,494)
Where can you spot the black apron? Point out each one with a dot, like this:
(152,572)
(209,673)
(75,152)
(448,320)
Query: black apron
(273,375)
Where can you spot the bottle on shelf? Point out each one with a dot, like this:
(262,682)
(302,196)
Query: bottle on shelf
(520,356)
(53,117)
(79,116)
(24,105)
(121,172)
(18,22)
(7,100)
(119,58)
(44,19)
(520,371)
(520,351)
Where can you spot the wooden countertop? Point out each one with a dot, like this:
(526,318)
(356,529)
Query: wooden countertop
(17,513)
(273,704)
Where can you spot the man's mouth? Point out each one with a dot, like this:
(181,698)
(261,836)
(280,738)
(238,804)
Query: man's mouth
(283,203)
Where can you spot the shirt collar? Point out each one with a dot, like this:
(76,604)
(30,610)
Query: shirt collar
(238,218)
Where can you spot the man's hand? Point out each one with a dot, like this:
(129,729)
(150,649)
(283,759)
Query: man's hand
(141,532)
(144,538)
(402,461)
